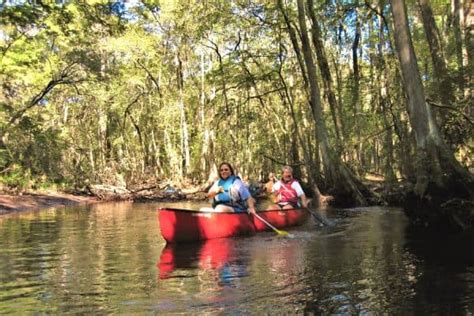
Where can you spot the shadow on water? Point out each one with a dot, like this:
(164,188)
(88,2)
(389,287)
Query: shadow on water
(376,264)
(445,270)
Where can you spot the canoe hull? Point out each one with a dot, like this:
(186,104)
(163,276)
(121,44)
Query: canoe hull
(179,225)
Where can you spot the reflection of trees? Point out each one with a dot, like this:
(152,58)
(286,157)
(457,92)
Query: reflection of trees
(277,274)
(362,268)
(115,243)
(80,259)
(96,258)
(27,258)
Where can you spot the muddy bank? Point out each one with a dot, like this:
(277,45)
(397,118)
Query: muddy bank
(33,201)
(10,202)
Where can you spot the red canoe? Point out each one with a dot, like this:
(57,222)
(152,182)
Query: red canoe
(179,225)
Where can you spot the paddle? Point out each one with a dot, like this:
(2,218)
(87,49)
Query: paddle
(279,232)
(322,219)
(317,216)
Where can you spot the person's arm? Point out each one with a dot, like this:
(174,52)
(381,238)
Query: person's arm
(251,205)
(304,200)
(275,189)
(245,195)
(214,190)
(299,190)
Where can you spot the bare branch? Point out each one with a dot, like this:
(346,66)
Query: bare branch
(64,77)
(452,108)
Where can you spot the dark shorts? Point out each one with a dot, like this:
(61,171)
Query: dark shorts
(294,205)
(239,209)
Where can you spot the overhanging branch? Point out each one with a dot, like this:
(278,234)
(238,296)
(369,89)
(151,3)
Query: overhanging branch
(64,77)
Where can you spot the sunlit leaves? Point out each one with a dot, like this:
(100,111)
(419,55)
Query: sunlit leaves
(144,68)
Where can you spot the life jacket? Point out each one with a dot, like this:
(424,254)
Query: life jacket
(286,193)
(226,196)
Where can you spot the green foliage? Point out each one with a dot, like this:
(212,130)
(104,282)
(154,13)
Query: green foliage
(16,177)
(143,88)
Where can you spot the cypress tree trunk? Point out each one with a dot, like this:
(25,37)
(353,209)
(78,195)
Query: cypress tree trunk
(326,74)
(355,98)
(457,7)
(443,80)
(385,103)
(439,177)
(338,175)
(312,170)
(185,150)
(294,42)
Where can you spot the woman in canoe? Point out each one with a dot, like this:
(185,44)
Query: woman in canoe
(229,193)
(287,191)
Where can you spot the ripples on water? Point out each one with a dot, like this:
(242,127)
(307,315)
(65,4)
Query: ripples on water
(110,258)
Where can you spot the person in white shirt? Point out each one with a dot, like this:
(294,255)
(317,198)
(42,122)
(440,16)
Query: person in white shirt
(287,192)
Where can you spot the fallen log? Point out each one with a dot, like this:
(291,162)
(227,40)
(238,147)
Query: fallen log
(109,192)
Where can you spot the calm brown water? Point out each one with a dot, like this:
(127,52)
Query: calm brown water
(110,258)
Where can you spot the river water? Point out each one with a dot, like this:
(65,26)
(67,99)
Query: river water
(110,258)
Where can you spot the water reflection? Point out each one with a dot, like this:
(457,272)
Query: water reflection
(215,255)
(78,259)
(110,259)
(444,266)
(234,275)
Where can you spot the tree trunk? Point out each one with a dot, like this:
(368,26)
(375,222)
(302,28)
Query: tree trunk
(439,177)
(444,83)
(457,7)
(294,42)
(355,98)
(339,87)
(312,170)
(385,103)
(207,152)
(469,46)
(185,151)
(156,154)
(335,171)
(315,99)
(325,74)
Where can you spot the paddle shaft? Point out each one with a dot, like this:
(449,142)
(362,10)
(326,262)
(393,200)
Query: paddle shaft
(320,217)
(279,232)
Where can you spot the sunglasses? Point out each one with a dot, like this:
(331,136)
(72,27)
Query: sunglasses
(224,170)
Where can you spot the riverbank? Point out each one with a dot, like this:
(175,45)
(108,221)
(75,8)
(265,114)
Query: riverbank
(34,200)
(40,200)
